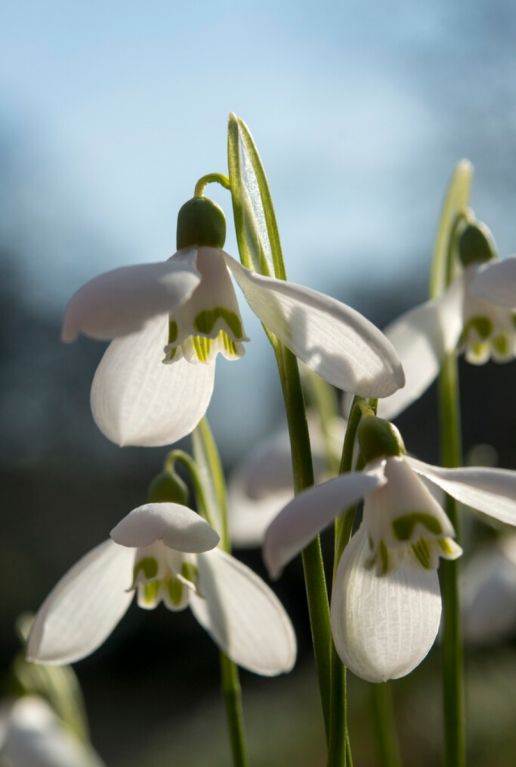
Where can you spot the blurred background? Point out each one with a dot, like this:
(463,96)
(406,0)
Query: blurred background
(109,113)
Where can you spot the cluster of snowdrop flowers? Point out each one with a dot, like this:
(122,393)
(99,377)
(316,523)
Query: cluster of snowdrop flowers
(475,315)
(183,312)
(385,604)
(164,552)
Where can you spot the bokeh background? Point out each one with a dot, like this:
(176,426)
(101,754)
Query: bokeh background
(108,115)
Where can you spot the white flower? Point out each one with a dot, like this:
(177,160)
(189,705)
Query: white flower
(475,316)
(164,552)
(261,484)
(31,735)
(385,604)
(187,307)
(488,593)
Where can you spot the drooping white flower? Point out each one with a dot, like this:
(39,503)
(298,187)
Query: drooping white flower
(474,316)
(32,735)
(164,552)
(184,312)
(261,484)
(386,604)
(488,593)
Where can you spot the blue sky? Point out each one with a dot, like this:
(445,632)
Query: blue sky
(111,111)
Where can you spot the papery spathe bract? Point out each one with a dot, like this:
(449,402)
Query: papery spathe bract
(166,553)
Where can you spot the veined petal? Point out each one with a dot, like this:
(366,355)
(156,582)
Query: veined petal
(312,510)
(84,607)
(121,301)
(491,491)
(496,282)
(421,337)
(330,337)
(137,400)
(242,615)
(383,626)
(177,526)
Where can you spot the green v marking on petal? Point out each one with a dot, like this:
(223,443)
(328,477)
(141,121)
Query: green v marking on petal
(404,526)
(204,322)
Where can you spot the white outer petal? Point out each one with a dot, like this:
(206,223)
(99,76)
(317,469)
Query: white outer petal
(496,282)
(242,615)
(491,491)
(177,526)
(312,510)
(84,607)
(122,301)
(331,338)
(36,737)
(421,337)
(137,400)
(383,626)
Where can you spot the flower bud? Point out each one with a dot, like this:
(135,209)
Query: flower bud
(379,439)
(476,244)
(168,487)
(201,221)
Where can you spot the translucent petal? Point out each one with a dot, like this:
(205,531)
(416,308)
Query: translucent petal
(121,301)
(331,338)
(36,737)
(177,526)
(383,626)
(242,615)
(496,282)
(84,607)
(137,400)
(421,338)
(491,491)
(311,511)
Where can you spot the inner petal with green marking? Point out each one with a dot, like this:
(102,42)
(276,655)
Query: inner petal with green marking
(163,575)
(489,335)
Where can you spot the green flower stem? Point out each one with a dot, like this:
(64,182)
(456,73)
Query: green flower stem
(387,746)
(214,497)
(211,178)
(179,456)
(452,650)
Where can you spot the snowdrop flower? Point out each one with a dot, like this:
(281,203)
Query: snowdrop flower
(386,604)
(488,591)
(474,316)
(31,735)
(262,483)
(164,552)
(184,312)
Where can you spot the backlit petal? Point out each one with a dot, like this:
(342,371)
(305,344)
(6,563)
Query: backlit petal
(383,626)
(491,491)
(311,511)
(421,337)
(331,338)
(496,282)
(177,526)
(84,607)
(242,615)
(137,400)
(121,301)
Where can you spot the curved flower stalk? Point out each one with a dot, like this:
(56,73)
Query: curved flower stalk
(184,312)
(164,552)
(385,604)
(489,593)
(262,484)
(474,316)
(31,735)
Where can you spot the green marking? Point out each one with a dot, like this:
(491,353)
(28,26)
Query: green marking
(205,321)
(445,546)
(189,571)
(173,331)
(404,526)
(513,318)
(483,326)
(149,592)
(202,347)
(478,350)
(175,590)
(501,345)
(422,552)
(148,566)
(383,552)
